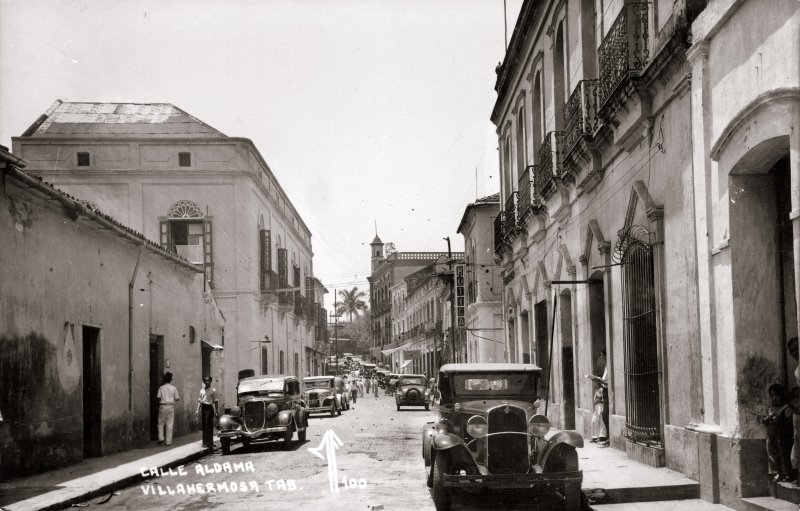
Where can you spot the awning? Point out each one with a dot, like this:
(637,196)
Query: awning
(209,346)
(390,351)
(415,353)
(407,362)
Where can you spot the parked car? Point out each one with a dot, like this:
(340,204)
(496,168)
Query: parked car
(412,390)
(490,436)
(268,408)
(321,395)
(344,397)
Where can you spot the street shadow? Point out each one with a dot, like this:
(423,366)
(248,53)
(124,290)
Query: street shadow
(269,446)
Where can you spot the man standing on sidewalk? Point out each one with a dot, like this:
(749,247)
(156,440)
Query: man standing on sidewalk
(207,406)
(167,396)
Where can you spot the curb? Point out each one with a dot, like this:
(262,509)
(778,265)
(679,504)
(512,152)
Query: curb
(110,487)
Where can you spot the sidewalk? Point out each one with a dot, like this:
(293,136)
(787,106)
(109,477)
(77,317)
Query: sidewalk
(610,477)
(94,477)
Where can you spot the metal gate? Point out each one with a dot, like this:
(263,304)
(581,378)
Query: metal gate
(642,392)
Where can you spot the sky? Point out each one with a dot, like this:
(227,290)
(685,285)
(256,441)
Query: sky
(368,112)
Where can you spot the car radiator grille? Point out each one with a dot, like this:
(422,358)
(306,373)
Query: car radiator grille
(507,453)
(254,415)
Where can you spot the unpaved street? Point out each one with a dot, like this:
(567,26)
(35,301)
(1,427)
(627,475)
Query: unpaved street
(381,451)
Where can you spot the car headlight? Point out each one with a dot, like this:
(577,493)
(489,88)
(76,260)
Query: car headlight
(538,425)
(236,411)
(226,422)
(272,409)
(477,426)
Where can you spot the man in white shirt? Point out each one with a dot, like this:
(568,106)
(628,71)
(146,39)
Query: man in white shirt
(209,406)
(167,397)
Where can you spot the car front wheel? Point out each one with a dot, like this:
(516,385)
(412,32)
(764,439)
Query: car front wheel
(226,445)
(442,498)
(287,439)
(301,435)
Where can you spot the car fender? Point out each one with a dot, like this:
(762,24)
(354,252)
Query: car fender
(452,446)
(285,417)
(228,422)
(429,431)
(572,438)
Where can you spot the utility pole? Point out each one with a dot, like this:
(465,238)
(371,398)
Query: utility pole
(452,299)
(336,330)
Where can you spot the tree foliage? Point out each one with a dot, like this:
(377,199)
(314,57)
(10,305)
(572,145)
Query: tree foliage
(351,302)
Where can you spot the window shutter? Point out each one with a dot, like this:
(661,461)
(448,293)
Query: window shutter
(265,258)
(296,276)
(310,288)
(283,277)
(166,236)
(208,260)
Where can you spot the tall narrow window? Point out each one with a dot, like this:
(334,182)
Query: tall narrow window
(642,390)
(282,363)
(522,144)
(560,79)
(542,348)
(537,131)
(265,258)
(283,269)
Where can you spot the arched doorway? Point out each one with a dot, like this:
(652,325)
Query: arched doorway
(567,358)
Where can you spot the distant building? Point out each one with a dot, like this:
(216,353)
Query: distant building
(94,314)
(211,198)
(484,317)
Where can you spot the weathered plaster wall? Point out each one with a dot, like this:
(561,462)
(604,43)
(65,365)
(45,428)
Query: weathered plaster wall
(60,274)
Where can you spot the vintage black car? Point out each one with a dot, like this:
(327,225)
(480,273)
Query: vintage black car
(322,396)
(269,408)
(412,390)
(490,436)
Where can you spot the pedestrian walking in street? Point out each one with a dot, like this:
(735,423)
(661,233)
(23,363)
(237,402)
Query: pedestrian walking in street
(167,397)
(208,409)
(368,383)
(354,391)
(375,386)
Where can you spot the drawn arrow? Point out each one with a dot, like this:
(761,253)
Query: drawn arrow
(330,442)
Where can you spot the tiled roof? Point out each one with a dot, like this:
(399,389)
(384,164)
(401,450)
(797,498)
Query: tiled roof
(489,199)
(119,119)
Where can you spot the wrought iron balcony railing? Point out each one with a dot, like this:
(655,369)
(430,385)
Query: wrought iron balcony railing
(549,166)
(528,203)
(498,234)
(625,50)
(510,218)
(580,116)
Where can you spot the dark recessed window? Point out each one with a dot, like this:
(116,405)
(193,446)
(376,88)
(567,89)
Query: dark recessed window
(184,160)
(83,159)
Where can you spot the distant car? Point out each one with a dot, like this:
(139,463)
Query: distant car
(321,395)
(412,390)
(344,397)
(268,408)
(490,436)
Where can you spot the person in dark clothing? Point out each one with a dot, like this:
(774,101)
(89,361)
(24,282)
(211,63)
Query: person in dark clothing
(780,434)
(208,405)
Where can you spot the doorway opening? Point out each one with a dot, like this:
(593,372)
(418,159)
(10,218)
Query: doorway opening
(525,333)
(156,373)
(92,393)
(542,349)
(567,358)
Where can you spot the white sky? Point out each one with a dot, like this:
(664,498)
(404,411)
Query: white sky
(365,110)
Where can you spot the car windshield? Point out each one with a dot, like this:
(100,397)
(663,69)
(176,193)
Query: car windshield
(318,384)
(487,384)
(260,387)
(412,381)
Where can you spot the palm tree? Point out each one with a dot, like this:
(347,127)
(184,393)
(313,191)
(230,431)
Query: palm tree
(351,302)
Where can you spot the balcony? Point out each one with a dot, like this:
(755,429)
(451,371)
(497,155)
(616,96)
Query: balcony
(549,167)
(580,116)
(498,234)
(528,203)
(312,313)
(299,304)
(625,51)
(285,301)
(510,219)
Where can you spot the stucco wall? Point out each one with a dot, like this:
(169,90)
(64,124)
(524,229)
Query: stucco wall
(58,275)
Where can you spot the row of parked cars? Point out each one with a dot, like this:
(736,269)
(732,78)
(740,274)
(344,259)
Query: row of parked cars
(277,407)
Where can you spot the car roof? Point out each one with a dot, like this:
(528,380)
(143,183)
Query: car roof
(413,375)
(489,368)
(317,378)
(269,377)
